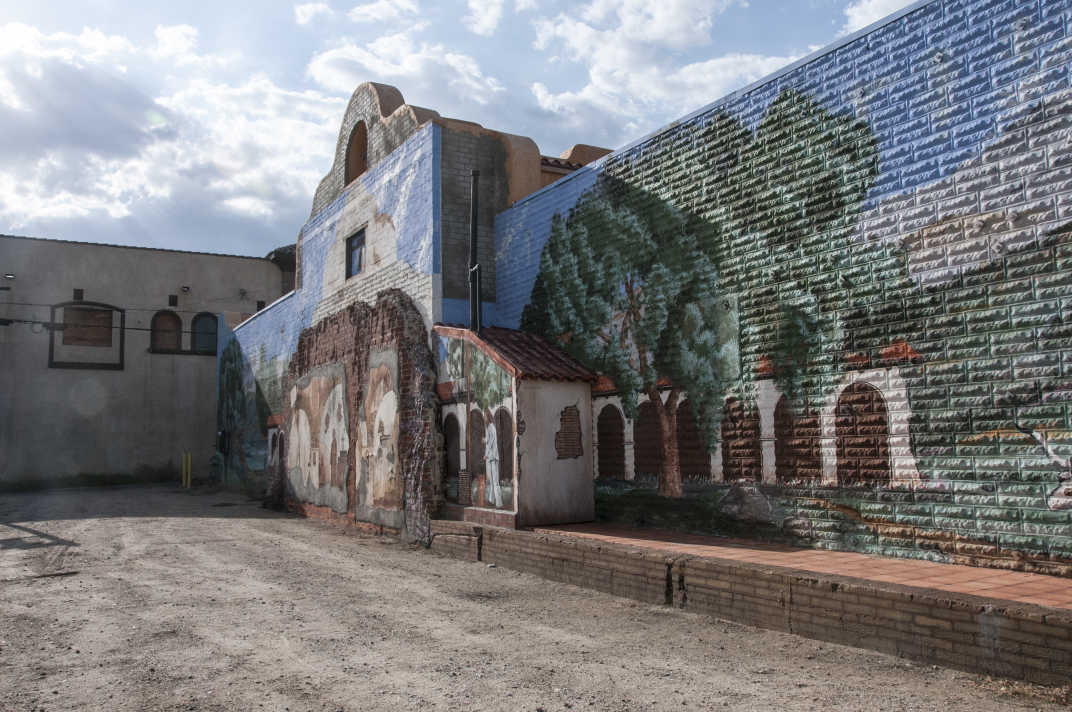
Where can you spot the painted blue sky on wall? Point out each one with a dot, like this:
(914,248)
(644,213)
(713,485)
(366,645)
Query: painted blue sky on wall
(205,126)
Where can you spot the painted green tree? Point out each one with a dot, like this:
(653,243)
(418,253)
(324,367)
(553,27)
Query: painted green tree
(641,307)
(629,281)
(792,191)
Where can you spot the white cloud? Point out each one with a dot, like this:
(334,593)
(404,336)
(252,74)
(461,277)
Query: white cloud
(175,41)
(861,13)
(307,12)
(631,51)
(93,142)
(484,16)
(419,67)
(384,10)
(523,5)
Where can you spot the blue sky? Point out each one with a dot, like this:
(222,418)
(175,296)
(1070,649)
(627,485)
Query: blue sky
(206,126)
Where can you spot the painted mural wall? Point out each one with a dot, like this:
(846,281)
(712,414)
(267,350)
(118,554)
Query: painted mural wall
(478,423)
(834,305)
(343,438)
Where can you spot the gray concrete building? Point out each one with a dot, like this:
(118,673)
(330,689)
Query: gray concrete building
(108,354)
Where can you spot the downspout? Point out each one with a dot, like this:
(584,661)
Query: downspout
(474,264)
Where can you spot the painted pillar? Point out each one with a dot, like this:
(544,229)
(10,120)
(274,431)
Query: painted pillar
(716,462)
(767,396)
(630,456)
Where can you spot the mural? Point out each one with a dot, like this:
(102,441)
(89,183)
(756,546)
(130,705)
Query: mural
(475,381)
(858,276)
(318,457)
(379,435)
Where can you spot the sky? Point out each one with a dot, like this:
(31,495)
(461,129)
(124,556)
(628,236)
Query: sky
(207,126)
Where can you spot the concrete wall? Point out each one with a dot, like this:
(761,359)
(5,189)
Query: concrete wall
(886,226)
(553,489)
(62,422)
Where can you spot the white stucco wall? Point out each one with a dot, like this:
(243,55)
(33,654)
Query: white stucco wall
(58,422)
(552,490)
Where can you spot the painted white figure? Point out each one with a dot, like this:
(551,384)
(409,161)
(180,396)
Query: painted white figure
(492,491)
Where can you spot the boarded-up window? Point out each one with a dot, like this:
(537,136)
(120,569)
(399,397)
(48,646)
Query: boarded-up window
(568,437)
(84,326)
(165,332)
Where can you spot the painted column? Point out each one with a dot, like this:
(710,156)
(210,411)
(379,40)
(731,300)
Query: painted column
(767,395)
(627,444)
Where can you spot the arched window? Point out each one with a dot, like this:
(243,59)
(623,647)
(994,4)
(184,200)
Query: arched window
(165,332)
(204,333)
(611,432)
(452,457)
(357,152)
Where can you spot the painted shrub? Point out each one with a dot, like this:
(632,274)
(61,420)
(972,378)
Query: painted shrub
(888,224)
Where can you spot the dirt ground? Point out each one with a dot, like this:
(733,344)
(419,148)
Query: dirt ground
(153,598)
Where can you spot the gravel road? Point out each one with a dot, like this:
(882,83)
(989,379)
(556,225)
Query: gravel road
(155,598)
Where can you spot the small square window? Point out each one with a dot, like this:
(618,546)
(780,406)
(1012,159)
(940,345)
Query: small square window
(355,253)
(260,304)
(79,295)
(173,300)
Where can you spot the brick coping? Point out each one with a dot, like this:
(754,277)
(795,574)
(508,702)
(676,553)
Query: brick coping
(979,583)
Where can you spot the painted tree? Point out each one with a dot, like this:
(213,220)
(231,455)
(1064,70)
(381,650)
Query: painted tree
(642,307)
(794,189)
(629,283)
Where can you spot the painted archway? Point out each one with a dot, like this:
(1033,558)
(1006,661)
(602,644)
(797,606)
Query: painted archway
(610,431)
(797,453)
(695,460)
(647,442)
(863,437)
(740,442)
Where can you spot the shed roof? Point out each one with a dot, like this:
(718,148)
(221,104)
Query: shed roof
(523,355)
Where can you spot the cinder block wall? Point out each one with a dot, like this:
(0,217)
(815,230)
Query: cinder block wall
(897,209)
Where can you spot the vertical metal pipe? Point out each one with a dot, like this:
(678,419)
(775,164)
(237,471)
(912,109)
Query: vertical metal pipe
(474,260)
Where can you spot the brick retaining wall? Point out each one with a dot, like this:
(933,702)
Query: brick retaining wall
(970,633)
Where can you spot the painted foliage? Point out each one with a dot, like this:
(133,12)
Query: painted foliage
(889,226)
(630,283)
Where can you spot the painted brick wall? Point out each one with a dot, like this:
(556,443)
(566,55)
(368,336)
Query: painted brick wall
(934,262)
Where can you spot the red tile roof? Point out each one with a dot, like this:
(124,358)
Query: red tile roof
(523,355)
